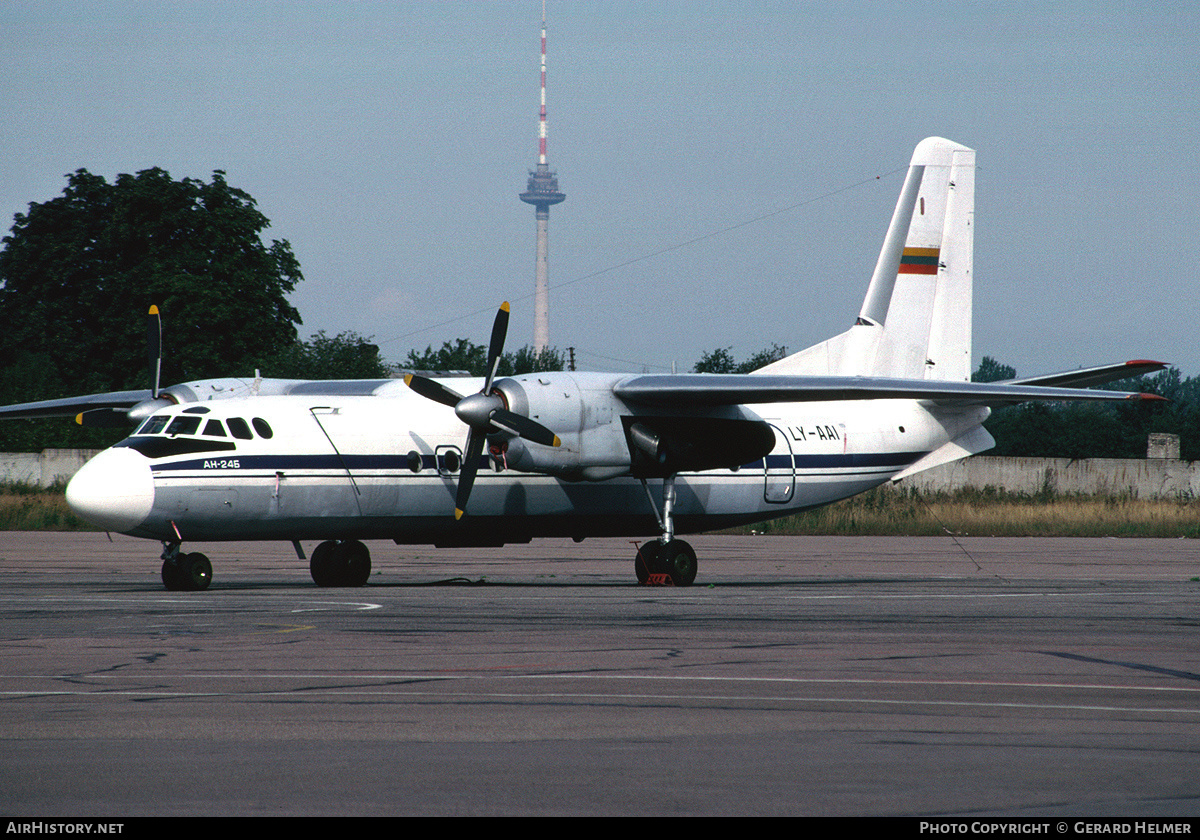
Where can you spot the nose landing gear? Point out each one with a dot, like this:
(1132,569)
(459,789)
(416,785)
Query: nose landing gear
(185,572)
(340,563)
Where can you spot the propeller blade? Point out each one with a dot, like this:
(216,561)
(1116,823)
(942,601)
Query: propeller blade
(522,426)
(429,389)
(482,413)
(103,418)
(466,474)
(496,346)
(154,349)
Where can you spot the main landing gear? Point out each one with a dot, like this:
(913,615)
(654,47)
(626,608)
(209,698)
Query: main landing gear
(340,563)
(675,560)
(184,572)
(666,559)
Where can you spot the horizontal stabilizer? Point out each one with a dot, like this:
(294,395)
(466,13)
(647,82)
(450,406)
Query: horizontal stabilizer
(1089,377)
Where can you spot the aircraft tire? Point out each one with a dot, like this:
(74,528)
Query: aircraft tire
(321,565)
(678,559)
(193,572)
(645,562)
(170,576)
(340,564)
(355,565)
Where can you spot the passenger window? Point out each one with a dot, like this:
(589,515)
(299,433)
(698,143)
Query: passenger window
(238,428)
(213,428)
(260,426)
(184,426)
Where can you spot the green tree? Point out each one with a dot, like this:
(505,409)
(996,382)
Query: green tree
(459,355)
(716,361)
(464,355)
(80,271)
(721,360)
(990,370)
(345,356)
(762,358)
(528,360)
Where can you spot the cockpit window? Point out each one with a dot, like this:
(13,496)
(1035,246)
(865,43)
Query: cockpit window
(239,429)
(189,424)
(154,425)
(184,425)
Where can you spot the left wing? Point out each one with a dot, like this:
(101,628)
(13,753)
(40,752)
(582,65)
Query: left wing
(71,406)
(122,408)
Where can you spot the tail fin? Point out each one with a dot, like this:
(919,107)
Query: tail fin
(915,322)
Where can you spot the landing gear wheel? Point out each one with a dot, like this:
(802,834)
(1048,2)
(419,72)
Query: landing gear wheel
(320,565)
(678,559)
(170,576)
(645,563)
(187,573)
(337,563)
(195,571)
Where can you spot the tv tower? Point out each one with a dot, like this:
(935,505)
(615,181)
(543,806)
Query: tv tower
(541,192)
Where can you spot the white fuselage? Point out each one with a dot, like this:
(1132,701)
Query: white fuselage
(384,466)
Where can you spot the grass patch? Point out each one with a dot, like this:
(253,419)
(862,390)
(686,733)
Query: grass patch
(886,511)
(24,507)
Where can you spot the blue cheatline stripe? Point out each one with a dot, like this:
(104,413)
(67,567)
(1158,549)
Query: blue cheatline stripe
(399,463)
(862,459)
(300,462)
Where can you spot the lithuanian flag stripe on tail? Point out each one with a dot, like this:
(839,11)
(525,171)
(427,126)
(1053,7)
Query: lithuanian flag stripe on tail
(919,261)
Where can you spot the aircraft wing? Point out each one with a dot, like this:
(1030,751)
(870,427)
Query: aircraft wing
(704,389)
(71,406)
(113,409)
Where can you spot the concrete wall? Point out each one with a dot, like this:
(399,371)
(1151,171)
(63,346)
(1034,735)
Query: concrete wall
(44,468)
(1146,479)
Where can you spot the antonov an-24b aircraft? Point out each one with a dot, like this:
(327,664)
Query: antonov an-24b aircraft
(489,461)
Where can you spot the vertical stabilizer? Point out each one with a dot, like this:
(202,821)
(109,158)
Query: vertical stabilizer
(915,321)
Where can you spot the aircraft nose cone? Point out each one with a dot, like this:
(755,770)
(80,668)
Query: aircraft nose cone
(114,490)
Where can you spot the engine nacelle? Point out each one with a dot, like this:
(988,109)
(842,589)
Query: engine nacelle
(603,436)
(578,407)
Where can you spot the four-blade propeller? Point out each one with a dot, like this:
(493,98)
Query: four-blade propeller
(483,413)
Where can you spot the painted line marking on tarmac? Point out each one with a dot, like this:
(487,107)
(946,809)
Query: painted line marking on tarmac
(676,698)
(492,675)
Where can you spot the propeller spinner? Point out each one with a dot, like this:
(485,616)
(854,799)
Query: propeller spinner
(483,413)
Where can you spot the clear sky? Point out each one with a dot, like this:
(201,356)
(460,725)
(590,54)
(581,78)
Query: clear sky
(388,142)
